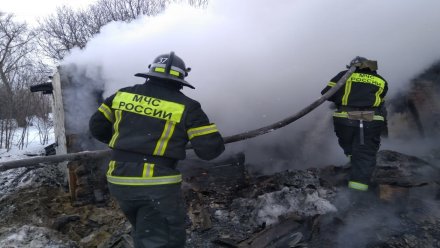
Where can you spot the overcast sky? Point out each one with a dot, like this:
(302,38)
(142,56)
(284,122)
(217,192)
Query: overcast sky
(30,10)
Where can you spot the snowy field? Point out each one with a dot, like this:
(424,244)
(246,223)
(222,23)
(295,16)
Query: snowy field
(27,179)
(14,179)
(33,142)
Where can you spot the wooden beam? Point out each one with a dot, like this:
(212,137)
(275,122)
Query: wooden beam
(54,159)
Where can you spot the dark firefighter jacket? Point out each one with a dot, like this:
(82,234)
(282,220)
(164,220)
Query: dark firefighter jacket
(364,90)
(156,120)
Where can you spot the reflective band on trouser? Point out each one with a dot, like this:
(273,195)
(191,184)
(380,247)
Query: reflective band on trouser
(331,84)
(162,143)
(111,167)
(144,181)
(199,131)
(107,112)
(148,170)
(345,115)
(357,186)
(118,115)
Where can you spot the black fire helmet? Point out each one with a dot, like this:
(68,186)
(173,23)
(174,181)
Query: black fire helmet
(168,66)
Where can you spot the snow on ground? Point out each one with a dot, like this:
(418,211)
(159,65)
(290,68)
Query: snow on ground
(291,200)
(32,237)
(14,179)
(33,145)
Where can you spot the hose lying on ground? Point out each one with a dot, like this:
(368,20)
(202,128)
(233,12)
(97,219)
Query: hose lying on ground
(230,139)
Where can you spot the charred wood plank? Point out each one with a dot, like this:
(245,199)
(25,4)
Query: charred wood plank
(62,221)
(398,169)
(283,231)
(225,243)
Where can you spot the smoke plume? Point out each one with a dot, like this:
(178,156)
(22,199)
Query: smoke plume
(255,62)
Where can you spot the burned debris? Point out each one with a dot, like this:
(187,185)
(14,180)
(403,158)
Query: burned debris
(229,207)
(416,112)
(301,209)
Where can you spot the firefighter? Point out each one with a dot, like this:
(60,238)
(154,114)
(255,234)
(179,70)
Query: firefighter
(147,126)
(359,119)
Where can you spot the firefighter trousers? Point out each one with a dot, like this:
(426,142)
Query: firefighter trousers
(362,157)
(157,218)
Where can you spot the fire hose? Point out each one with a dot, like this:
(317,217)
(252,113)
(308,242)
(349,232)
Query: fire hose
(230,139)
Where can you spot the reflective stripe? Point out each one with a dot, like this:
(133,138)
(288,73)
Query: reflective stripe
(368,79)
(148,170)
(345,115)
(142,181)
(199,131)
(111,167)
(172,67)
(363,78)
(148,106)
(146,179)
(107,112)
(357,186)
(347,91)
(378,99)
(162,143)
(158,65)
(174,73)
(178,69)
(331,84)
(162,70)
(118,114)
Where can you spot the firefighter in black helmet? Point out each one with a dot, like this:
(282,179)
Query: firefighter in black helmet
(360,119)
(147,126)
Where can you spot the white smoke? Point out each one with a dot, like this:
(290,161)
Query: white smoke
(255,62)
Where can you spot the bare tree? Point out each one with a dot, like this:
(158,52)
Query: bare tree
(15,40)
(128,10)
(15,45)
(33,108)
(66,29)
(61,32)
(198,3)
(19,68)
